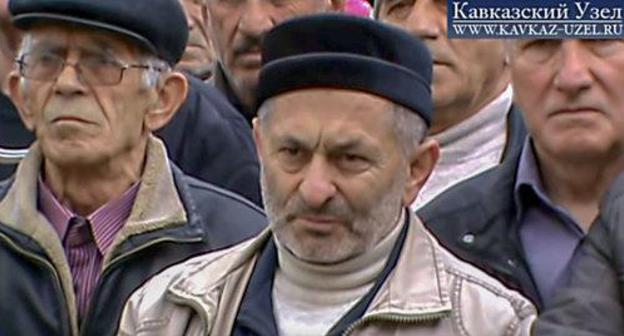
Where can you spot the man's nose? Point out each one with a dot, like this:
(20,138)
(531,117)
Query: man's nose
(317,186)
(256,18)
(69,80)
(572,73)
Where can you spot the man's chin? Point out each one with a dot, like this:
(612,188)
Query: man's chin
(245,80)
(319,250)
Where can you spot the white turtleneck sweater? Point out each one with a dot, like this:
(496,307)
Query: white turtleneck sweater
(469,148)
(308,299)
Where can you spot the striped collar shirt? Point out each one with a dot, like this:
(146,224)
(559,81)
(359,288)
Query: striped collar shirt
(86,240)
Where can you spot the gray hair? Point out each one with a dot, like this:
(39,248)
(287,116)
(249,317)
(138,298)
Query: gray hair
(409,128)
(156,67)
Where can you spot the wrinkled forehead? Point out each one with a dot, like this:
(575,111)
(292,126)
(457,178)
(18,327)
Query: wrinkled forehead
(61,37)
(326,112)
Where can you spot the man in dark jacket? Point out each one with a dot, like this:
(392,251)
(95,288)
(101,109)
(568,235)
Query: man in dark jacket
(14,137)
(95,208)
(238,28)
(592,303)
(210,141)
(475,122)
(523,220)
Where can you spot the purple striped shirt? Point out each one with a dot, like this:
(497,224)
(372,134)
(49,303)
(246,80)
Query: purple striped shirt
(88,242)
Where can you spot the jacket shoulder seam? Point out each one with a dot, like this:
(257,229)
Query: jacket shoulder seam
(514,302)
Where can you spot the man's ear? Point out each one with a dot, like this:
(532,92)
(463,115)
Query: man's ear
(16,91)
(171,93)
(421,164)
(257,137)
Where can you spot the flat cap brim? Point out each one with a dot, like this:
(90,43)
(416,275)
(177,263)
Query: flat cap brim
(24,21)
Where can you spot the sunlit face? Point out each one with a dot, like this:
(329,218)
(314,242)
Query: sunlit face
(572,95)
(467,73)
(333,173)
(77,123)
(198,55)
(238,27)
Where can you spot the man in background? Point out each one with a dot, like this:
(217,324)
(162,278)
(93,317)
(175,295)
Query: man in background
(475,121)
(523,220)
(237,29)
(198,58)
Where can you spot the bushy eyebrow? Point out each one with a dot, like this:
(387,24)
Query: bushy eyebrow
(290,141)
(346,145)
(337,146)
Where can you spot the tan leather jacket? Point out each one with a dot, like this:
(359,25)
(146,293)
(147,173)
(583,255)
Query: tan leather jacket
(430,292)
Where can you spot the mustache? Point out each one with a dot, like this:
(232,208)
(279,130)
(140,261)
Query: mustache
(248,44)
(335,208)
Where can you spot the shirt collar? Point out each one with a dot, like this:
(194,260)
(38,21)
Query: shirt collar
(528,179)
(105,222)
(529,188)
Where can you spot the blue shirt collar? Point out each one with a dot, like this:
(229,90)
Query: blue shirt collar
(529,188)
(528,179)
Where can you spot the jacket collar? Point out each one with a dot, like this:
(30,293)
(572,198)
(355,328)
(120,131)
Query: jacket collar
(418,284)
(157,205)
(516,132)
(498,181)
(402,294)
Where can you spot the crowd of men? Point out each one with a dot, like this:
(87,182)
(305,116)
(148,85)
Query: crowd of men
(309,167)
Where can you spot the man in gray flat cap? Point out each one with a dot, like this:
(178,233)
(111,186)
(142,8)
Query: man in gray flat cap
(343,154)
(95,208)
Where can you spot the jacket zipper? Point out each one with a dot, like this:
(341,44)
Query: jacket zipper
(121,258)
(397,319)
(50,267)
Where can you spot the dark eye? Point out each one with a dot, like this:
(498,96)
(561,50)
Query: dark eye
(45,59)
(99,61)
(399,8)
(539,50)
(605,47)
(291,158)
(353,163)
(290,151)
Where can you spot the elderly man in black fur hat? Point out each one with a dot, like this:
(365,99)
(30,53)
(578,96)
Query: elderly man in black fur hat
(345,103)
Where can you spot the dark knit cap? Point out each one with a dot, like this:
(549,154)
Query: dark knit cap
(347,52)
(158,25)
